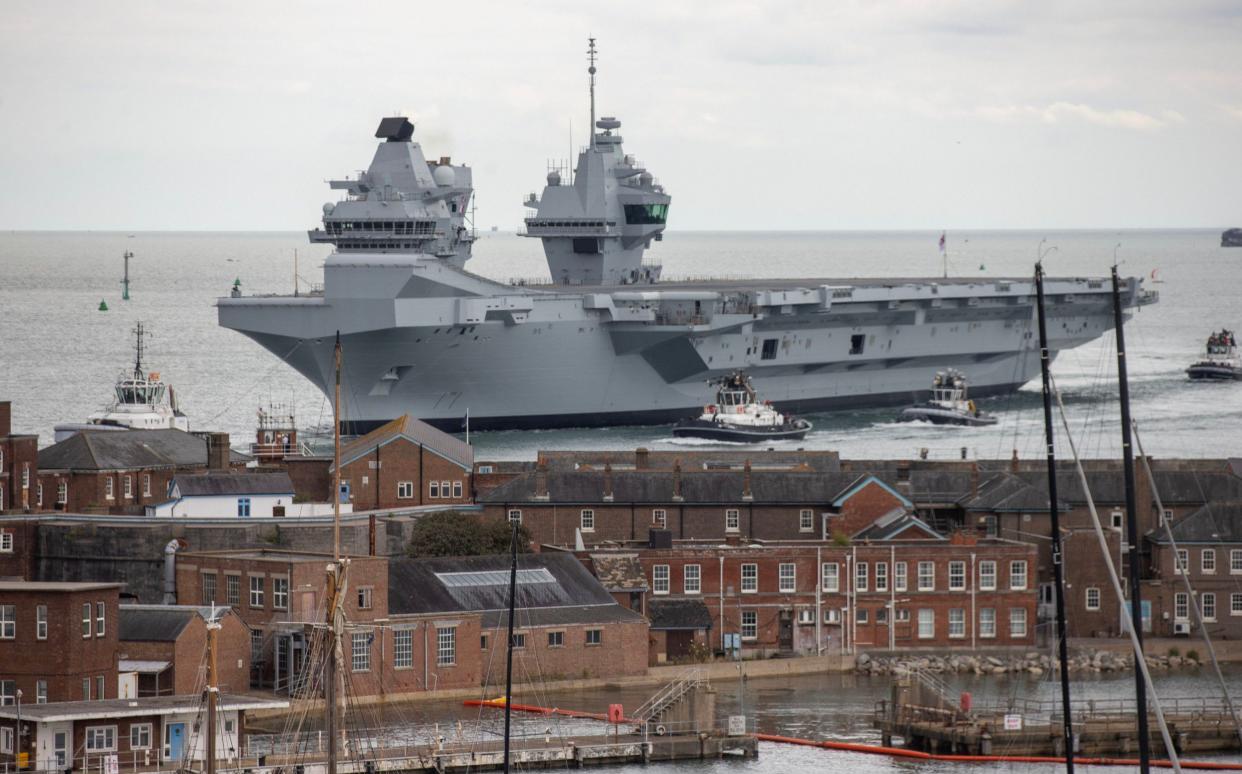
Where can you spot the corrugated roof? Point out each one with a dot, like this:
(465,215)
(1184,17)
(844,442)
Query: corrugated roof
(160,623)
(558,589)
(215,484)
(415,430)
(146,705)
(111,450)
(678,615)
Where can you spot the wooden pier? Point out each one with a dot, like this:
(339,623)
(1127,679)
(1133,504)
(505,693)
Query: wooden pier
(921,713)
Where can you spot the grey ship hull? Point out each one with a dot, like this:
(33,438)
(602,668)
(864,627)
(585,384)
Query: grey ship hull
(424,338)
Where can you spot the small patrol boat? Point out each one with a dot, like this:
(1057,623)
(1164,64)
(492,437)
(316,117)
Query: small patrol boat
(737,416)
(948,404)
(1221,362)
(143,402)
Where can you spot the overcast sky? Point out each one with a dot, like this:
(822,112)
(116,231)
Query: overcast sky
(765,115)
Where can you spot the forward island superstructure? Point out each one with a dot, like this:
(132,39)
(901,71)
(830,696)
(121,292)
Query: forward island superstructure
(605,342)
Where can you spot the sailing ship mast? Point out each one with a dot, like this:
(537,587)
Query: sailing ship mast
(213,690)
(1067,723)
(1136,602)
(335,578)
(513,541)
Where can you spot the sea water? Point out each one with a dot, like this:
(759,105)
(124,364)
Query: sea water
(59,355)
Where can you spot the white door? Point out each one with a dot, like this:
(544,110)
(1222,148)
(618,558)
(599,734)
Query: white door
(53,749)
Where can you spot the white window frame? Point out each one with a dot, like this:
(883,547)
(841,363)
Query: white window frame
(593,638)
(6,542)
(831,581)
(927,576)
(806,520)
(257,594)
(1207,606)
(901,576)
(146,484)
(101,619)
(128,487)
(733,520)
(659,579)
(1017,622)
(39,494)
(1018,579)
(1181,561)
(927,623)
(987,575)
(446,646)
(140,730)
(94,735)
(405,490)
(6,740)
(587,520)
(659,518)
(1092,599)
(787,571)
(40,691)
(881,576)
(280,592)
(749,575)
(750,623)
(403,649)
(861,576)
(109,488)
(1207,561)
(691,579)
(515,516)
(433,490)
(457,490)
(1235,561)
(957,575)
(87,620)
(957,623)
(556,639)
(1235,603)
(40,622)
(1181,602)
(987,622)
(8,622)
(360,652)
(62,492)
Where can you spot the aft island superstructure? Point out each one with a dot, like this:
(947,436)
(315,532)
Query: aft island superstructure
(605,341)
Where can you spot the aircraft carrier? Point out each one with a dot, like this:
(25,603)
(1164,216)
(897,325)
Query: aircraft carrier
(605,342)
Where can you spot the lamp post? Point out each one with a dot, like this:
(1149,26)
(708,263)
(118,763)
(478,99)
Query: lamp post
(17,749)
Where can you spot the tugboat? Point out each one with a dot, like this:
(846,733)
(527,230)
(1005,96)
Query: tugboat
(1221,362)
(738,416)
(1231,238)
(948,404)
(143,402)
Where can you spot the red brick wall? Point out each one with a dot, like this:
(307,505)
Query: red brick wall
(863,507)
(87,491)
(19,562)
(622,651)
(374,479)
(65,658)
(20,454)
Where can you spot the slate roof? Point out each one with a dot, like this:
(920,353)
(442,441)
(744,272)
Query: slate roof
(1028,490)
(678,615)
(619,572)
(112,450)
(656,486)
(554,589)
(893,523)
(160,623)
(1219,522)
(447,446)
(222,484)
(1006,492)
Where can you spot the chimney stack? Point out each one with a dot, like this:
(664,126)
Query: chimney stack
(677,480)
(218,452)
(6,419)
(541,480)
(746,493)
(1013,462)
(607,482)
(640,458)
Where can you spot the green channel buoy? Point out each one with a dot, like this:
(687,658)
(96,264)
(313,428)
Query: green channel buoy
(103,306)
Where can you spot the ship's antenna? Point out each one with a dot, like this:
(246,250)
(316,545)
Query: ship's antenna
(138,351)
(591,59)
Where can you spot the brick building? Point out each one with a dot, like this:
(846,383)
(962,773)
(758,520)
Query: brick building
(912,590)
(714,500)
(58,641)
(19,465)
(166,645)
(1210,543)
(406,462)
(97,471)
(567,625)
(277,594)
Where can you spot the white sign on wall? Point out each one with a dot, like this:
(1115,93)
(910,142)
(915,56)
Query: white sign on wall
(1013,722)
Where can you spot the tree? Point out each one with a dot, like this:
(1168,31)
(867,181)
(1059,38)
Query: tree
(452,533)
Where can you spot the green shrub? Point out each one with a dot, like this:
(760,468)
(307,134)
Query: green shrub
(1192,655)
(1174,652)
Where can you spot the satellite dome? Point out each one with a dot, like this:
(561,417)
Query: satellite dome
(554,178)
(645,179)
(328,208)
(444,176)
(608,122)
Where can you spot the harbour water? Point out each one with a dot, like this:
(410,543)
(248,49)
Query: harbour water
(60,355)
(828,706)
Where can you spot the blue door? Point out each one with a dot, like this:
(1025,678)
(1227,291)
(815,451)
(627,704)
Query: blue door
(176,740)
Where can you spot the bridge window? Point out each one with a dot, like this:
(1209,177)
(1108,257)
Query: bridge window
(769,349)
(586,246)
(646,214)
(857,342)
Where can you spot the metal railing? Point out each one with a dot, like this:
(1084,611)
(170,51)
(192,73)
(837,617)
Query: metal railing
(668,695)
